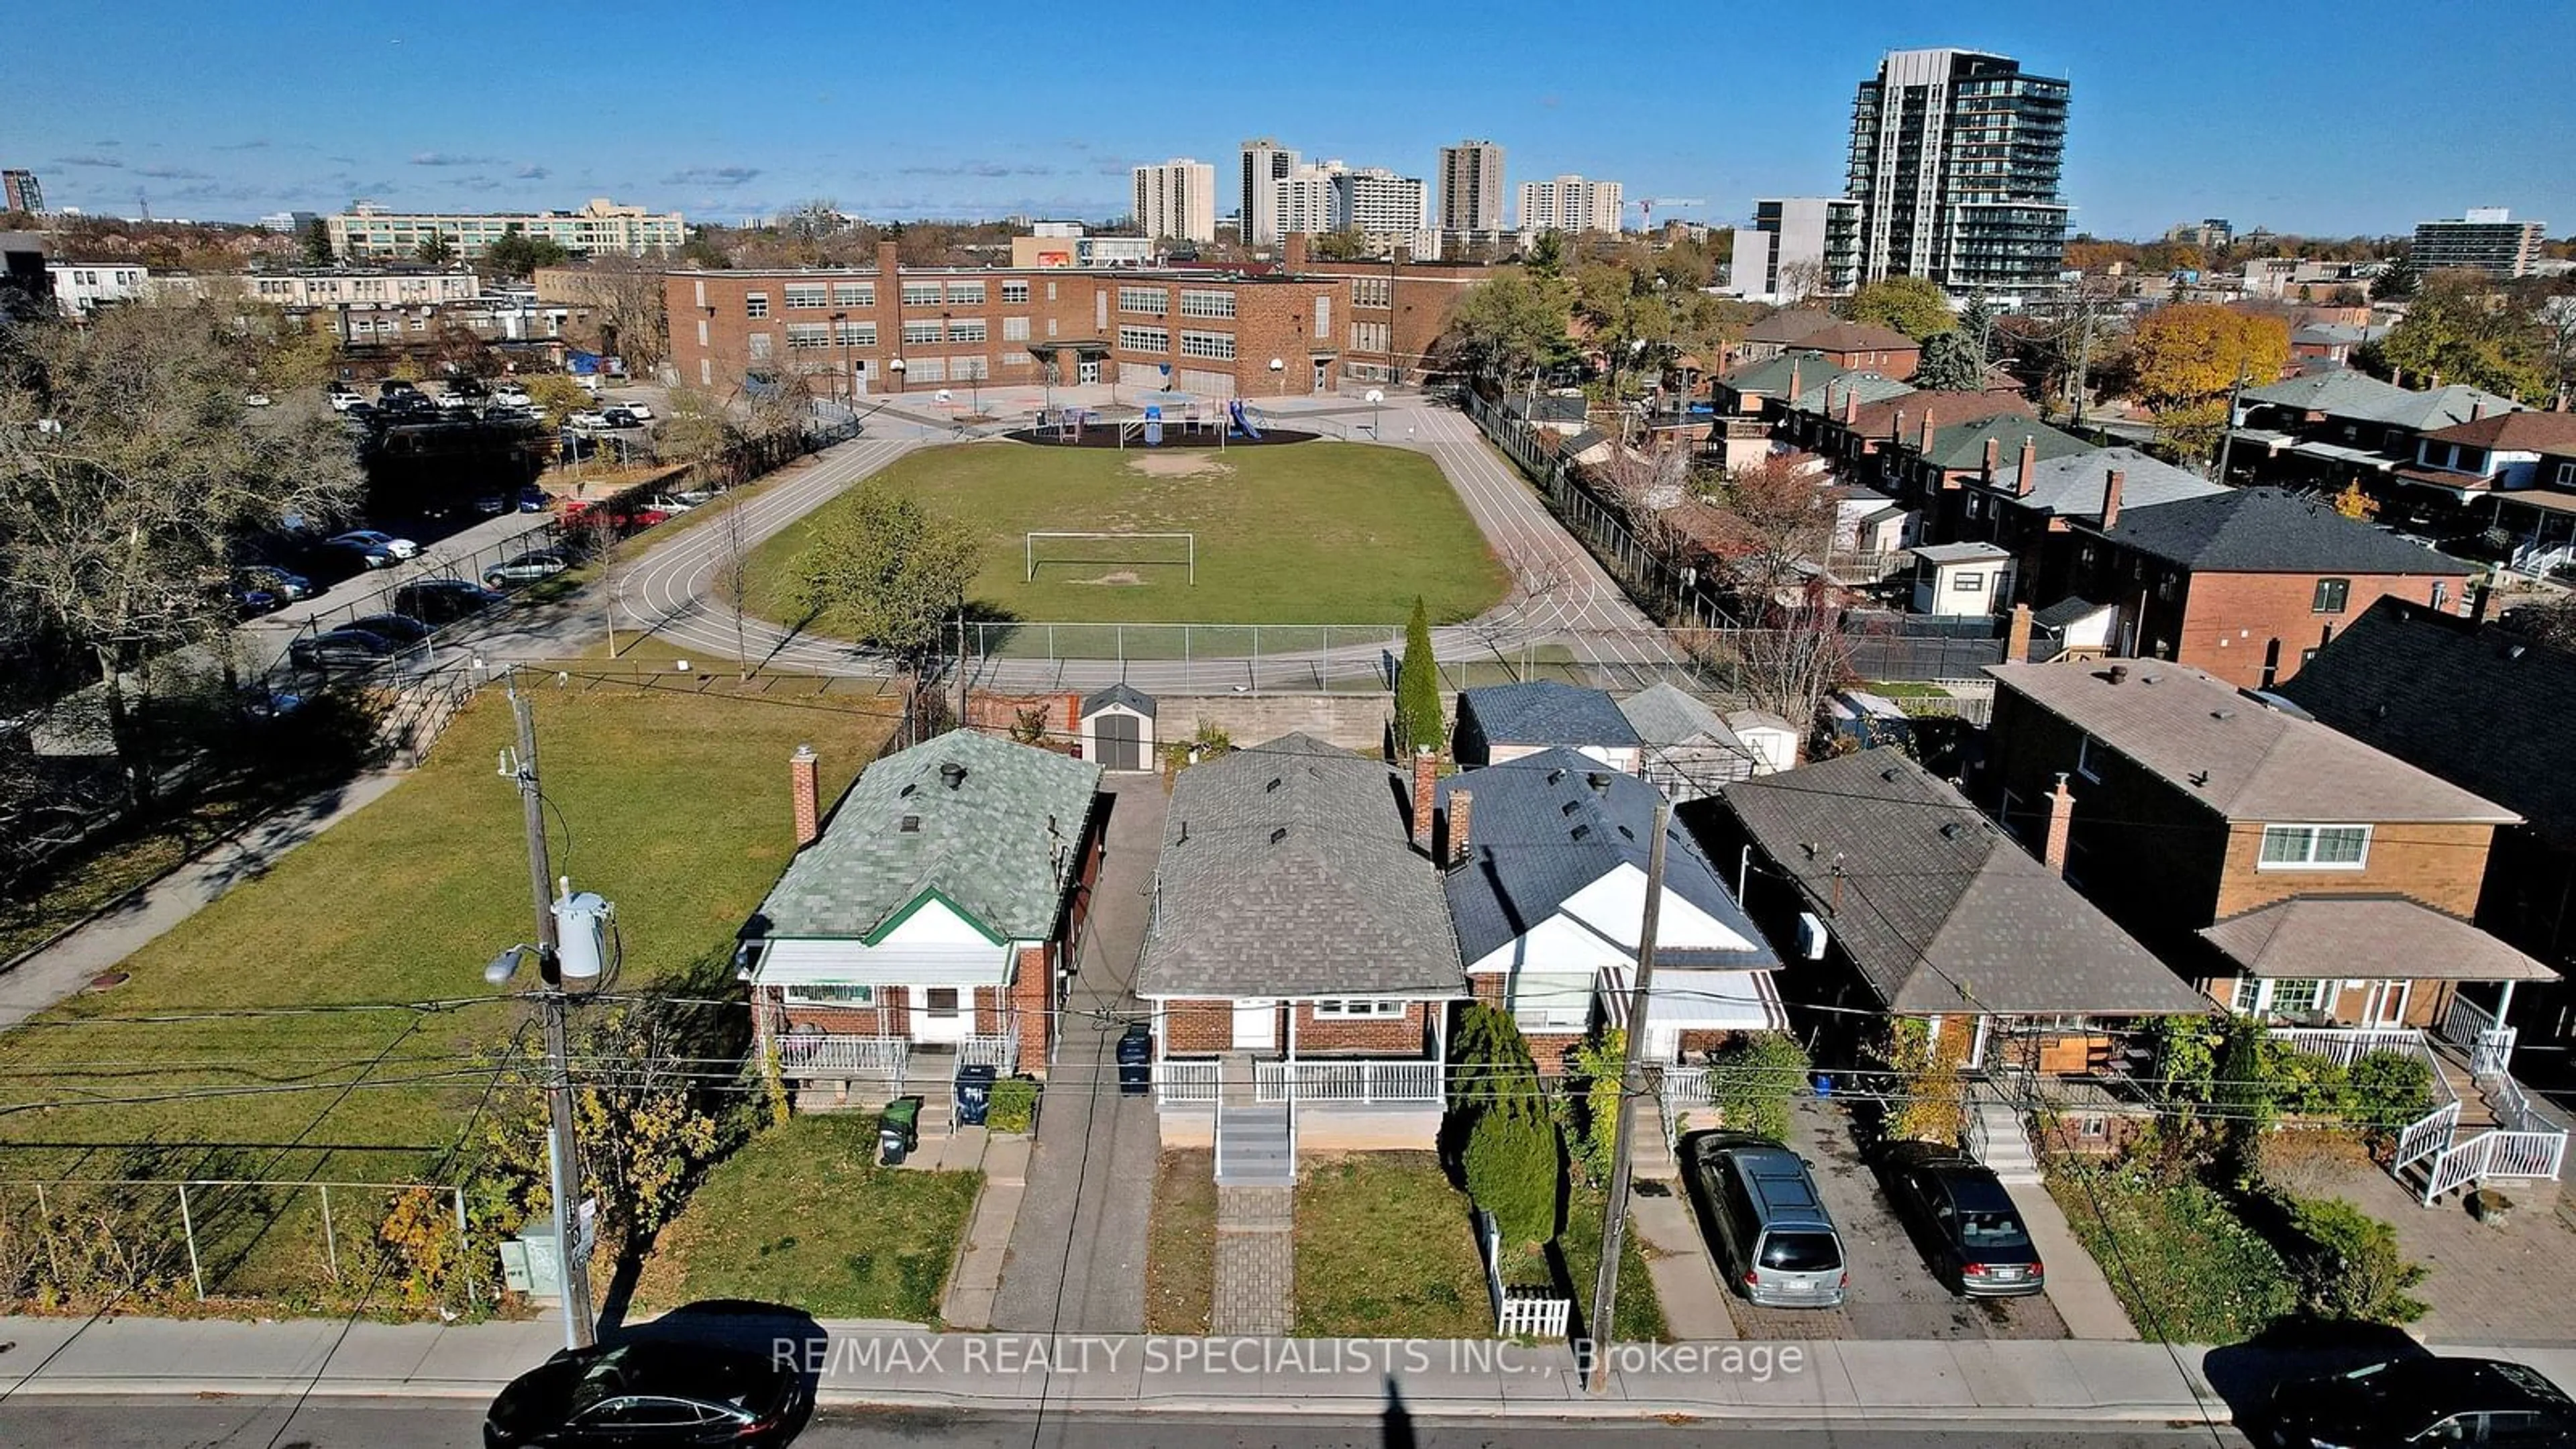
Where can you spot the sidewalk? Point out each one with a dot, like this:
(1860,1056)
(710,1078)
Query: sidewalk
(64,965)
(877,1364)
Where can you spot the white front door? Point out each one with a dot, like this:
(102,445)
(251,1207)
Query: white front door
(942,1013)
(1256,1026)
(2387,1004)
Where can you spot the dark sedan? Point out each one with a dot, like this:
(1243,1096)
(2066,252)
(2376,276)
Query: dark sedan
(648,1393)
(2421,1401)
(341,649)
(400,628)
(1964,1221)
(443,601)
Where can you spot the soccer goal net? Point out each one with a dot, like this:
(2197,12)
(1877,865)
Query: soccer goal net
(1134,550)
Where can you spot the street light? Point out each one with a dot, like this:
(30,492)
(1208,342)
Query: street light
(1376,401)
(896,367)
(1279,370)
(843,387)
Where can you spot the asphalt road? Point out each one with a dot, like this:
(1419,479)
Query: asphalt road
(443,1424)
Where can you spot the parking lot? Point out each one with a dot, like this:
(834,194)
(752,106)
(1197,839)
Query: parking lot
(1892,1293)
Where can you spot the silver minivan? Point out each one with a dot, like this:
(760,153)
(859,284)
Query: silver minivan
(1759,1210)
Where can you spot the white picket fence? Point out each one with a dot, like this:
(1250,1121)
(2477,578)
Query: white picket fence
(1185,1083)
(1364,1081)
(1519,1312)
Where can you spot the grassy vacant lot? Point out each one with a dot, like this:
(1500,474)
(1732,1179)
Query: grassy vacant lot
(673,805)
(1385,1249)
(803,1216)
(1317,533)
(2186,1269)
(1180,1257)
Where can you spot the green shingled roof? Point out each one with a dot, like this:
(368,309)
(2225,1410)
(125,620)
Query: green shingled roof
(999,847)
(1963,445)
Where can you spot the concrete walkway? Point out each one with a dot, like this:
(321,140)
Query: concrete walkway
(977,1280)
(1852,1382)
(1256,1261)
(2076,1285)
(1677,1260)
(63,966)
(1077,1251)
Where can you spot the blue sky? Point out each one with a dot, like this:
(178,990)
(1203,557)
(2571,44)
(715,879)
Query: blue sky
(2363,116)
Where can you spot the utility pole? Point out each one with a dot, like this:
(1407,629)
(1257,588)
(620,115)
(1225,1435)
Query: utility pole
(563,1146)
(2227,428)
(1614,1216)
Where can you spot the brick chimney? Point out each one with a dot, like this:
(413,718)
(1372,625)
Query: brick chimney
(1928,427)
(2111,497)
(2477,409)
(2061,824)
(1796,370)
(1462,806)
(1292,252)
(1994,451)
(1426,794)
(2017,635)
(889,261)
(1896,433)
(804,788)
(1851,406)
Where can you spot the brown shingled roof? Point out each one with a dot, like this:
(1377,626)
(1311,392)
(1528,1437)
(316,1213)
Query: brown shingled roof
(1873,420)
(2514,432)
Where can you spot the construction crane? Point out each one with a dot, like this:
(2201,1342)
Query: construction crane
(1646,207)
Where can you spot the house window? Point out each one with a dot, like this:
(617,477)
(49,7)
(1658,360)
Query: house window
(2314,847)
(817,995)
(1552,1003)
(1357,1009)
(2087,759)
(939,1003)
(755,305)
(2292,997)
(2567,475)
(2332,595)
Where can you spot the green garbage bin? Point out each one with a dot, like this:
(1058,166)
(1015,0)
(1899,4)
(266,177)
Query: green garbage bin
(899,1130)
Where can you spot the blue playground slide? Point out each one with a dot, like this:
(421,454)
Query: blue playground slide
(1243,420)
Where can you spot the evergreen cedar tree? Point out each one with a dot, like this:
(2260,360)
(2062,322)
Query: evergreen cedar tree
(1417,686)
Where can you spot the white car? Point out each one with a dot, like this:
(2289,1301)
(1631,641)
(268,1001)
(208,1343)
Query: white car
(668,504)
(510,397)
(586,419)
(363,538)
(343,397)
(642,413)
(257,400)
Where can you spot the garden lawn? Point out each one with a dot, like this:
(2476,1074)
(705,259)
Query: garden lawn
(804,1216)
(1180,1254)
(1385,1249)
(2183,1265)
(673,805)
(1310,533)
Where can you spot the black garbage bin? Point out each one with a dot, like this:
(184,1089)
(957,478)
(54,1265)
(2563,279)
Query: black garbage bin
(975,1094)
(1136,1060)
(899,1130)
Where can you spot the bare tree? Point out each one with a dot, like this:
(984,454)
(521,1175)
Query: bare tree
(1801,283)
(1773,522)
(733,581)
(1795,653)
(634,321)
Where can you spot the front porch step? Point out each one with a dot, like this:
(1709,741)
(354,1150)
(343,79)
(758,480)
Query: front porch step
(2477,1109)
(2005,1148)
(1253,1147)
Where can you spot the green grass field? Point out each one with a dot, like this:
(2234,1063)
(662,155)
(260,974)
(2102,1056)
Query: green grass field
(1316,533)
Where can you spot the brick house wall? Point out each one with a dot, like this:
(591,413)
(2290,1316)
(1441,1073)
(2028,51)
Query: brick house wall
(1197,1028)
(2251,630)
(2345,1004)
(1405,1036)
(1548,1048)
(2443,866)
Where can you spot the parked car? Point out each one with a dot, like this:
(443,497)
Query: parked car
(525,568)
(260,702)
(2426,1400)
(1970,1233)
(586,419)
(533,499)
(397,627)
(376,538)
(696,497)
(453,401)
(668,503)
(259,400)
(361,555)
(648,1393)
(251,601)
(341,649)
(642,412)
(394,387)
(511,395)
(1764,1223)
(342,397)
(620,417)
(443,601)
(278,581)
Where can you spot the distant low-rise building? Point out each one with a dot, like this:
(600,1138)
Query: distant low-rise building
(2485,239)
(81,288)
(368,230)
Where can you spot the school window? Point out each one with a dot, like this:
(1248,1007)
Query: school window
(856,334)
(808,334)
(1200,303)
(1216,345)
(702,332)
(1323,319)
(926,369)
(1050,291)
(968,330)
(760,347)
(816,995)
(967,294)
(1357,1009)
(1144,339)
(755,305)
(921,294)
(1015,329)
(804,294)
(854,294)
(968,369)
(1369,291)
(1015,291)
(1148,301)
(2332,595)
(2314,847)
(921,333)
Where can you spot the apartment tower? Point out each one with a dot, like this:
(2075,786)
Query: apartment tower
(1265,163)
(1955,163)
(1177,200)
(1471,187)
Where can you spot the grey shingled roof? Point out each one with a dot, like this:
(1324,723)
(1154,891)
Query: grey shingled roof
(2075,483)
(2442,407)
(1963,445)
(1136,700)
(1935,899)
(1288,870)
(1664,715)
(1954,553)
(1544,712)
(1826,398)
(2334,391)
(986,846)
(2309,937)
(1547,825)
(2271,531)
(2485,709)
(2242,758)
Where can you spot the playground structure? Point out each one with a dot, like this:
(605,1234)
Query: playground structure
(1177,421)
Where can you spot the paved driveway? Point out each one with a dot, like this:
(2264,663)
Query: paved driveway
(1892,1293)
(1077,1259)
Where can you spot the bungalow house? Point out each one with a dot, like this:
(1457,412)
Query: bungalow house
(2029,505)
(1896,895)
(1863,434)
(2536,527)
(935,915)
(2293,872)
(2246,583)
(1861,347)
(1503,722)
(1782,331)
(2486,709)
(1690,749)
(2457,466)
(1545,868)
(1299,960)
(2335,426)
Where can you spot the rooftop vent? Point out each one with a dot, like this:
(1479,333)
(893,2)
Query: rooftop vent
(2222,714)
(1582,832)
(1569,807)
(2119,674)
(1273,785)
(909,825)
(1953,830)
(906,792)
(1555,775)
(952,774)
(1279,835)
(1598,780)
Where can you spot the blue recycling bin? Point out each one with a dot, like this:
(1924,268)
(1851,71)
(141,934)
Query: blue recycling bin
(975,1094)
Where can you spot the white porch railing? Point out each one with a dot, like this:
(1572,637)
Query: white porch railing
(1365,1081)
(2496,1154)
(999,1050)
(2488,1042)
(2348,1044)
(2429,1136)
(843,1056)
(1185,1083)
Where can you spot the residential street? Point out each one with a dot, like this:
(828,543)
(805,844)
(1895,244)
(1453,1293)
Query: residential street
(1077,1260)
(449,1424)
